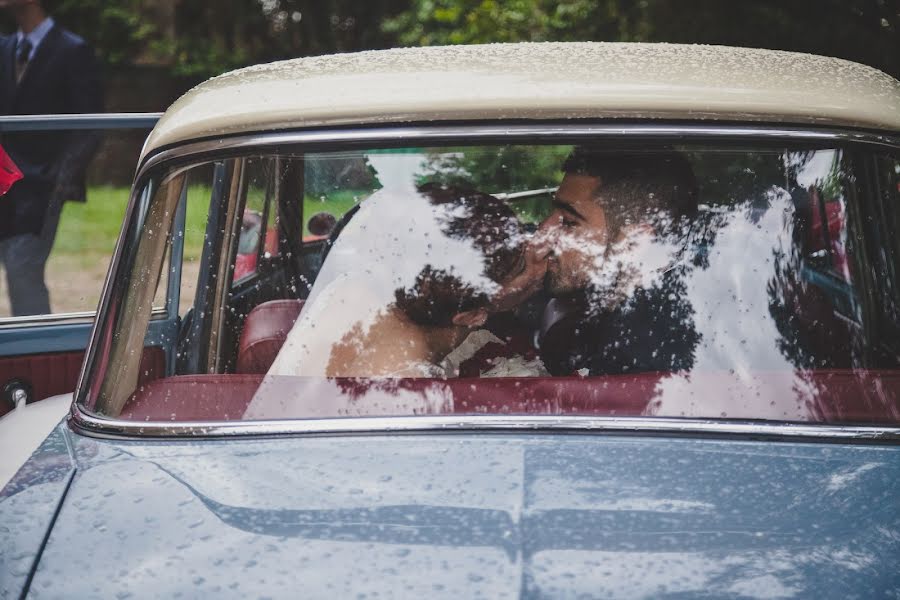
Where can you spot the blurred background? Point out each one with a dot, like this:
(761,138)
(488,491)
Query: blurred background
(154,50)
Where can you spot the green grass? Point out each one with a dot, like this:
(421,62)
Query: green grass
(195,220)
(88,231)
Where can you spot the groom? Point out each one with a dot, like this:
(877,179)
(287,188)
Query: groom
(611,256)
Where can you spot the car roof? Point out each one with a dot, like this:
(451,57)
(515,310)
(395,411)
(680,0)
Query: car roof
(535,81)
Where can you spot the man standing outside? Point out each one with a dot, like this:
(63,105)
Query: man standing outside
(44,69)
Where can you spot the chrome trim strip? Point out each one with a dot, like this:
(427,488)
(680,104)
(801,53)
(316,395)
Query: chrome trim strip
(33,320)
(89,424)
(6,322)
(92,425)
(105,295)
(79,121)
(450,133)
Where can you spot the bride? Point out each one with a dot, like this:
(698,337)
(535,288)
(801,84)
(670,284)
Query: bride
(406,287)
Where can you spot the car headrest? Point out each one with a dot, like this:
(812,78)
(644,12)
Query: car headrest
(265,329)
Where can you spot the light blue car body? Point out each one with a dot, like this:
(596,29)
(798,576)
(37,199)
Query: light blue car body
(454,515)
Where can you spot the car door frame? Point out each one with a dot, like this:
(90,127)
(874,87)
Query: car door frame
(29,337)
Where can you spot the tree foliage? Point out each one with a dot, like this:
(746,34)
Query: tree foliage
(211,37)
(201,38)
(439,22)
(115,28)
(205,37)
(866,31)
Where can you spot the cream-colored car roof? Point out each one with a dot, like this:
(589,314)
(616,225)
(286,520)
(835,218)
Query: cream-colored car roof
(535,81)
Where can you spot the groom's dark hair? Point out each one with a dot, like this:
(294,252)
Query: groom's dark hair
(638,186)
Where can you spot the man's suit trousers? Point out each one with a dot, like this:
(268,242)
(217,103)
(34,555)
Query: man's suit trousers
(24,257)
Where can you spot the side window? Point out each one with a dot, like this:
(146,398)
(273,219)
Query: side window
(887,251)
(821,210)
(189,233)
(334,184)
(889,192)
(255,218)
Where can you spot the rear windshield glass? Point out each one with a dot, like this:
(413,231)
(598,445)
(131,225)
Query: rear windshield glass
(732,282)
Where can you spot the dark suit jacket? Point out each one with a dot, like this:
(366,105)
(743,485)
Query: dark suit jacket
(63,77)
(653,331)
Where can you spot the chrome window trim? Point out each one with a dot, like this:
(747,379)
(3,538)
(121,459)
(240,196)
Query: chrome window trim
(32,320)
(89,424)
(56,122)
(451,133)
(84,316)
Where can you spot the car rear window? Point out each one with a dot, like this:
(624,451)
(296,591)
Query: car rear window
(735,281)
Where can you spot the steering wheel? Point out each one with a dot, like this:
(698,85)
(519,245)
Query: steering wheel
(338,228)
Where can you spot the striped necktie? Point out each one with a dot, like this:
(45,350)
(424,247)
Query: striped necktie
(23,51)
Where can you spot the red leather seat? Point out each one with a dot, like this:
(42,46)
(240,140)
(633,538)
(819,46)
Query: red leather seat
(837,396)
(192,398)
(226,397)
(265,329)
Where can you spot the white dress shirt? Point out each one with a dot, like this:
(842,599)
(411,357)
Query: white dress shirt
(36,36)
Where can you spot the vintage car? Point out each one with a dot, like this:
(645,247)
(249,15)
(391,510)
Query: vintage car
(539,320)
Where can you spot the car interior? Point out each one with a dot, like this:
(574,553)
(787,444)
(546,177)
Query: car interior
(252,285)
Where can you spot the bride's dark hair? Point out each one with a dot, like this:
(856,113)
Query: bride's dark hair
(491,227)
